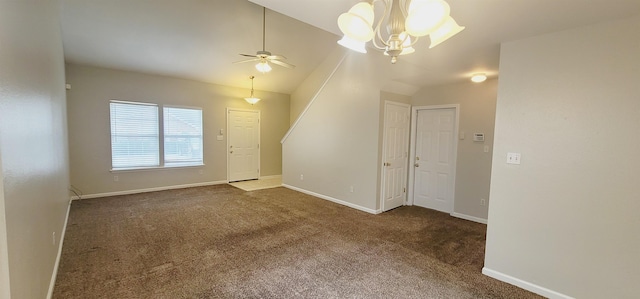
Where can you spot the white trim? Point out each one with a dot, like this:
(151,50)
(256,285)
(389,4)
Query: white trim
(412,149)
(470,218)
(524,284)
(52,283)
(329,198)
(135,191)
(384,152)
(313,99)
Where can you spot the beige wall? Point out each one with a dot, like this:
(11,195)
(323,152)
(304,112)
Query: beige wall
(303,95)
(89,142)
(33,146)
(335,145)
(477,114)
(566,219)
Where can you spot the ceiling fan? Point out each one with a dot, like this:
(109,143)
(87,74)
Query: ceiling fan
(264,57)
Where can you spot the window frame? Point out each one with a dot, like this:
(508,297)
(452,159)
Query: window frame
(178,164)
(161,137)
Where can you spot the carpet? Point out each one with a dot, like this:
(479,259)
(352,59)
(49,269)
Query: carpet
(222,242)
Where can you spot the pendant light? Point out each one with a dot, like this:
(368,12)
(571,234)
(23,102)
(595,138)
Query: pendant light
(252,100)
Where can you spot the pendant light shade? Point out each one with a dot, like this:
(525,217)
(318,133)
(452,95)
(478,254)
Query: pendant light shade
(252,100)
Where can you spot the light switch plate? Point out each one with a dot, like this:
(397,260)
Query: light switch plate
(513,158)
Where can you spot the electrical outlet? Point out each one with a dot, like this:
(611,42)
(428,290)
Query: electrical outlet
(201,171)
(483,202)
(115,178)
(351,189)
(302,177)
(513,158)
(53,238)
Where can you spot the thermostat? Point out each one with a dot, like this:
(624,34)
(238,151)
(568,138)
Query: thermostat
(478,136)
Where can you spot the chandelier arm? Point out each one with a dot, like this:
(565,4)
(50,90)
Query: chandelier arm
(413,41)
(404,8)
(377,29)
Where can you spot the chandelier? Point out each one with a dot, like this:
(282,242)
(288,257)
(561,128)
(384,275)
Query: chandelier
(404,20)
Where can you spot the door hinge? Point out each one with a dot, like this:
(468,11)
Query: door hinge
(404,190)
(258,145)
(258,170)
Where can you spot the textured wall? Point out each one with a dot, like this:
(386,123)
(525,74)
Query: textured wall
(33,146)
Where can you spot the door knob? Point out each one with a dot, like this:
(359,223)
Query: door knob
(416,165)
(230,152)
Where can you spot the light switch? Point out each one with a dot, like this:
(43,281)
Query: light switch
(461,135)
(486,148)
(513,158)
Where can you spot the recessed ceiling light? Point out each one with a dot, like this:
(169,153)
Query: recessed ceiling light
(478,77)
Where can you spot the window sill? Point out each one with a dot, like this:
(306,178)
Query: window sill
(165,167)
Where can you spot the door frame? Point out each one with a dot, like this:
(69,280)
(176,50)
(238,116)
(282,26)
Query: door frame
(228,110)
(384,150)
(412,149)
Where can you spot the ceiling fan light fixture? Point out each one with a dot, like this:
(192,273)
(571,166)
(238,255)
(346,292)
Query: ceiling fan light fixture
(251,99)
(478,77)
(353,44)
(264,57)
(263,67)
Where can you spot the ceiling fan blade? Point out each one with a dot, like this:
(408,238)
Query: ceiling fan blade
(277,57)
(247,60)
(247,55)
(282,63)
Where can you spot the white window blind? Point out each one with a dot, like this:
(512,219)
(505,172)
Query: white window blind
(134,135)
(182,136)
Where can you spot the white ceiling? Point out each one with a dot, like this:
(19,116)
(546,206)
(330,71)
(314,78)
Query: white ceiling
(199,40)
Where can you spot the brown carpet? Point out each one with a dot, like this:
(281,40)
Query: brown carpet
(222,242)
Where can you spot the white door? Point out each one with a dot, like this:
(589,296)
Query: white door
(395,154)
(243,144)
(434,159)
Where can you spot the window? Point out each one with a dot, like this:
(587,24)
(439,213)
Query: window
(182,136)
(134,135)
(136,141)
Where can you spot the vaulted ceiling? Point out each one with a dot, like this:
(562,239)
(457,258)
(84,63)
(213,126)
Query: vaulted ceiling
(199,40)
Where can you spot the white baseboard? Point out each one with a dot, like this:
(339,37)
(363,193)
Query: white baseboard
(329,198)
(52,283)
(524,284)
(470,218)
(271,177)
(127,192)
